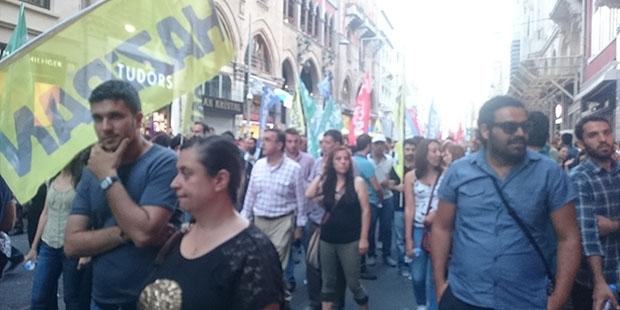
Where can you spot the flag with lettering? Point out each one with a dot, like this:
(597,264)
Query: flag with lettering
(164,48)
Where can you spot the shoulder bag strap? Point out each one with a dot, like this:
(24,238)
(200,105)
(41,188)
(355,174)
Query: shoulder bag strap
(525,230)
(430,200)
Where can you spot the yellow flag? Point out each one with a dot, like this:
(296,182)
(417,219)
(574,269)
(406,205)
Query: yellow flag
(163,47)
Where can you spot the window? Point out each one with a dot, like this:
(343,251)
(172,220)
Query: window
(304,16)
(317,20)
(261,58)
(605,23)
(289,11)
(219,87)
(40,3)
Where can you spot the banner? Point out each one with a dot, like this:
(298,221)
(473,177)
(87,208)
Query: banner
(296,112)
(400,132)
(312,114)
(432,130)
(164,48)
(331,118)
(361,111)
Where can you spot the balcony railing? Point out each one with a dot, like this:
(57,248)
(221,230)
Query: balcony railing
(553,67)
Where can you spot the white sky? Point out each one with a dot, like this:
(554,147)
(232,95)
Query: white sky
(451,49)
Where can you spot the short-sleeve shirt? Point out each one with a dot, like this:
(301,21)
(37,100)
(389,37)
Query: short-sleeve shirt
(366,169)
(242,273)
(382,172)
(493,265)
(119,274)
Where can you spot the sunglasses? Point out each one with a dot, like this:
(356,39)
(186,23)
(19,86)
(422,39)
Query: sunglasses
(510,128)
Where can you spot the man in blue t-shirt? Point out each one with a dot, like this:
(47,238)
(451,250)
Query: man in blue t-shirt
(123,201)
(493,264)
(366,169)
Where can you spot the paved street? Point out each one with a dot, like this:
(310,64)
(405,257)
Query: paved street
(389,291)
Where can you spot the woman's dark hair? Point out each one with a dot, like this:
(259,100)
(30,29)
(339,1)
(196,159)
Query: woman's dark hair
(76,166)
(217,153)
(421,163)
(329,184)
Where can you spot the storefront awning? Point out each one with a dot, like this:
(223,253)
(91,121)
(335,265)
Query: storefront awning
(609,73)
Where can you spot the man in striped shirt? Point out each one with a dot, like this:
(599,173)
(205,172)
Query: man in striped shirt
(275,196)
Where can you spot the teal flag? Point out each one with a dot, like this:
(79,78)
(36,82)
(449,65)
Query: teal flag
(311,116)
(19,36)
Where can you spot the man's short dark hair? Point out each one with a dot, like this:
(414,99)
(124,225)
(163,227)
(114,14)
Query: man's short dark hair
(486,115)
(362,142)
(117,90)
(335,134)
(413,141)
(583,121)
(292,131)
(280,136)
(228,135)
(205,127)
(539,129)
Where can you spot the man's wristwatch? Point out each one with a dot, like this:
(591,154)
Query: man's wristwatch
(108,181)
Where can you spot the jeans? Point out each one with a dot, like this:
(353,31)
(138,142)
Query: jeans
(289,272)
(418,268)
(399,236)
(126,306)
(431,299)
(51,263)
(386,221)
(372,243)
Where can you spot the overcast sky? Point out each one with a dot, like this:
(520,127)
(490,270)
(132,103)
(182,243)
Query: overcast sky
(451,48)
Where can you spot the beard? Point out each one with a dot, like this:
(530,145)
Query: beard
(511,152)
(603,151)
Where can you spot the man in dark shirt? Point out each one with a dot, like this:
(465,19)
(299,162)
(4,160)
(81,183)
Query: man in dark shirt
(596,180)
(123,201)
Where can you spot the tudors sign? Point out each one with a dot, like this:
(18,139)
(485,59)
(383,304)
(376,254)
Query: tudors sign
(163,47)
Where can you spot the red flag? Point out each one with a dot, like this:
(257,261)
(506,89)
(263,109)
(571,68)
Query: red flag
(361,111)
(460,134)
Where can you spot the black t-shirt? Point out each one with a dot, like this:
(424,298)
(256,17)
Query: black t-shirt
(242,273)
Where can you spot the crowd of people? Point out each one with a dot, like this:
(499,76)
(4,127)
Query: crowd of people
(208,221)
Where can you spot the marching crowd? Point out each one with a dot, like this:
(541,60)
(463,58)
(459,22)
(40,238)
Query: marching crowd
(209,222)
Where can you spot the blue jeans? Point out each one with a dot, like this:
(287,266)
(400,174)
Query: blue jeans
(399,236)
(418,268)
(51,263)
(386,221)
(431,299)
(372,242)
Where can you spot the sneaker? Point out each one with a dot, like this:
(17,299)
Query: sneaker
(388,261)
(404,272)
(367,275)
(371,260)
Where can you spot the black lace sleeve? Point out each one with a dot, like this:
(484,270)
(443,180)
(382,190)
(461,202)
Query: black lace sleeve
(260,279)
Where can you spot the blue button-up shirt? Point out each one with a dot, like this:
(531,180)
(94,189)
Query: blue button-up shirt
(599,194)
(493,265)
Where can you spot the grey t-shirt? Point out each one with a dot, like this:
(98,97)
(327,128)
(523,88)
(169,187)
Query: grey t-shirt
(119,274)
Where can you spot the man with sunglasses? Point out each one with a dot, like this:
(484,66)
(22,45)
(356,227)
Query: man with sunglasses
(495,209)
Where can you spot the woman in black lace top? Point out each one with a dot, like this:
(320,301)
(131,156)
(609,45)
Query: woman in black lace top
(222,262)
(344,230)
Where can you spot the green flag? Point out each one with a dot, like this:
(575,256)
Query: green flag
(19,36)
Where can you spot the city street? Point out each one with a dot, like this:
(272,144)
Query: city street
(389,291)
